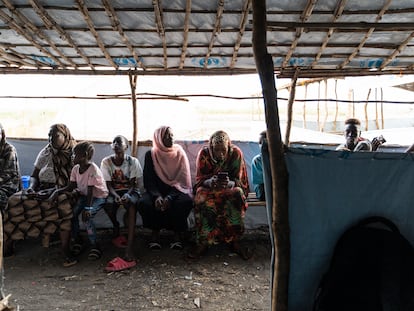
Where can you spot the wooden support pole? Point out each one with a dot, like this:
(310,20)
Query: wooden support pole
(279,174)
(290,106)
(133,84)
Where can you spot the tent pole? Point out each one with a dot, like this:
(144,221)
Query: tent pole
(133,85)
(279,174)
(290,106)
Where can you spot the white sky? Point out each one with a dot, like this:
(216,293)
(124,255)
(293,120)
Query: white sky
(195,119)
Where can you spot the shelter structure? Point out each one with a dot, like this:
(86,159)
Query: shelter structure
(276,38)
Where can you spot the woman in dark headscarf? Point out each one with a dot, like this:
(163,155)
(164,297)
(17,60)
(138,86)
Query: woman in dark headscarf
(30,213)
(9,170)
(220,201)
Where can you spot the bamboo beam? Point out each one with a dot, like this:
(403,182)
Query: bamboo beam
(84,10)
(185,33)
(29,26)
(279,175)
(16,27)
(216,30)
(397,51)
(367,35)
(161,29)
(133,85)
(242,27)
(348,26)
(340,6)
(116,25)
(307,12)
(50,23)
(290,106)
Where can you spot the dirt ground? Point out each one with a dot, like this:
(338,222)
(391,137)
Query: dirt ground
(162,280)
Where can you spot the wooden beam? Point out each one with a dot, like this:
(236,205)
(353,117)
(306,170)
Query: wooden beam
(290,106)
(161,28)
(116,25)
(185,33)
(349,26)
(50,23)
(307,12)
(133,84)
(366,37)
(216,30)
(242,27)
(340,6)
(84,10)
(16,27)
(279,175)
(29,26)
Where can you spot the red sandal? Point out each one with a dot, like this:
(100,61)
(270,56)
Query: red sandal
(119,264)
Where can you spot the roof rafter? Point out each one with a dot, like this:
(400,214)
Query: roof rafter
(185,34)
(52,24)
(242,27)
(116,24)
(216,30)
(304,17)
(367,35)
(160,28)
(84,10)
(338,12)
(397,51)
(36,31)
(16,27)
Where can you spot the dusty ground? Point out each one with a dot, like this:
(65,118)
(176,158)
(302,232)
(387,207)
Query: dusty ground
(162,280)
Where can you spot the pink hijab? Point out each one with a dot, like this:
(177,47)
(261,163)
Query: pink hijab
(171,164)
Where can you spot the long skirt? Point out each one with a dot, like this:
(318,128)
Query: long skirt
(29,217)
(219,215)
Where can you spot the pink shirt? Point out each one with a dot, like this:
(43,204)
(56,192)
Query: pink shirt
(91,177)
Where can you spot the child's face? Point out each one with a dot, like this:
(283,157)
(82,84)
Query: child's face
(79,158)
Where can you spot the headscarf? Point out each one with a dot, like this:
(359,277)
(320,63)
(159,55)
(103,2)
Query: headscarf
(62,157)
(219,137)
(171,163)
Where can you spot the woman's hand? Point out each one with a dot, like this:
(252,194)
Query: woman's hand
(159,203)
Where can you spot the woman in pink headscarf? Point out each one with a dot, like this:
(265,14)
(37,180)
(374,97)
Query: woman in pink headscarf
(167,181)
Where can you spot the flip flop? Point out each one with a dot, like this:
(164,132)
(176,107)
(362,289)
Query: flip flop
(154,245)
(120,241)
(119,264)
(176,245)
(94,254)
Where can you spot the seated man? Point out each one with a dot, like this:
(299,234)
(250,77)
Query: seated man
(257,171)
(353,139)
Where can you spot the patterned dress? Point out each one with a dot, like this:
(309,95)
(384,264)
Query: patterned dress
(30,216)
(220,213)
(9,171)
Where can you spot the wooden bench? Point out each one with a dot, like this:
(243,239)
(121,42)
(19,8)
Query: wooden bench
(252,200)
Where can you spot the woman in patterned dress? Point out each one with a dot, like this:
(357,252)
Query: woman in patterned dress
(30,213)
(221,188)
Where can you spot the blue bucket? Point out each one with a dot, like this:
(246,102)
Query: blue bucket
(25,181)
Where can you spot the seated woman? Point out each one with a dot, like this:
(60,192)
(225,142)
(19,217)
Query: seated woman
(30,213)
(167,201)
(9,170)
(220,201)
(123,176)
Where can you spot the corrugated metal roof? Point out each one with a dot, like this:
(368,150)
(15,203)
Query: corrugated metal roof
(323,38)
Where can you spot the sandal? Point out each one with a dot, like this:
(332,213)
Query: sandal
(244,252)
(120,241)
(76,249)
(197,251)
(176,245)
(69,262)
(119,264)
(94,254)
(154,245)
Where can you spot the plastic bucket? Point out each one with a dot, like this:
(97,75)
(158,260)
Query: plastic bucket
(25,181)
